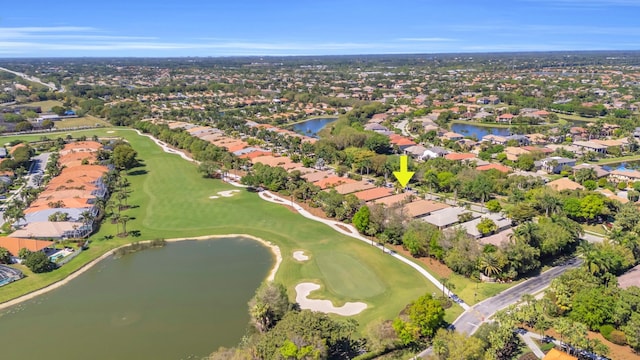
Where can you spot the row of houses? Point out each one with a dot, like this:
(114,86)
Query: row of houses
(67,206)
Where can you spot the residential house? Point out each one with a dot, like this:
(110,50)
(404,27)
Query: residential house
(375,127)
(600,172)
(587,146)
(460,156)
(555,164)
(400,141)
(452,136)
(505,118)
(624,175)
(495,139)
(513,153)
(522,140)
(421,208)
(416,151)
(447,217)
(494,166)
(564,184)
(471,227)
(434,152)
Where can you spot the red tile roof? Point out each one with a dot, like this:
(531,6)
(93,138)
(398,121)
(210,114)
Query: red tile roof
(501,168)
(15,244)
(332,181)
(459,156)
(372,194)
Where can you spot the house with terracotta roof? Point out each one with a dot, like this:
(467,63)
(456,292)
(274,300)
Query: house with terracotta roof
(14,244)
(459,156)
(513,152)
(349,188)
(373,193)
(554,354)
(332,181)
(494,166)
(564,184)
(400,141)
(393,200)
(505,118)
(421,208)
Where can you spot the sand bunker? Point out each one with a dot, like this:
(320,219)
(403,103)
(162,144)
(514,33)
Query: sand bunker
(227,193)
(110,132)
(300,256)
(304,289)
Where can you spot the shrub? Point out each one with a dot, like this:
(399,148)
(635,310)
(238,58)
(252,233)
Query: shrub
(606,330)
(618,337)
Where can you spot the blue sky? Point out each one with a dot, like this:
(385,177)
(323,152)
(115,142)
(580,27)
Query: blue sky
(69,28)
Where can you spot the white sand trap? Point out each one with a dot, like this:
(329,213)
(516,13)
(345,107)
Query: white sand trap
(110,132)
(300,256)
(227,193)
(304,289)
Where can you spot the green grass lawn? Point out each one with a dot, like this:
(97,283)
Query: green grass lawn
(570,117)
(618,159)
(87,120)
(45,105)
(598,229)
(172,201)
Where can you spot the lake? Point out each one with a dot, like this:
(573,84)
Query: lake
(311,127)
(182,301)
(479,131)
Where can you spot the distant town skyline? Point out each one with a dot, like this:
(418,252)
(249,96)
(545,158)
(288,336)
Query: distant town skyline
(237,28)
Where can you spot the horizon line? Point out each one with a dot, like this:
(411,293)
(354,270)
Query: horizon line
(317,55)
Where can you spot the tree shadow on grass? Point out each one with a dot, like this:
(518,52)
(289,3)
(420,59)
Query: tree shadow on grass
(138,172)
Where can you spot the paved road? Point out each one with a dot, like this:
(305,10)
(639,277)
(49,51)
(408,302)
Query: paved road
(470,320)
(31,78)
(402,125)
(38,165)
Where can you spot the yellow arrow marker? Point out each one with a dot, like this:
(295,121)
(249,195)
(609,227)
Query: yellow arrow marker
(403,175)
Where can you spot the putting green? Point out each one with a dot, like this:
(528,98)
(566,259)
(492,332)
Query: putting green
(345,275)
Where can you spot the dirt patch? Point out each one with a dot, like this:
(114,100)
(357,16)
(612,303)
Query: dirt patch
(344,228)
(436,267)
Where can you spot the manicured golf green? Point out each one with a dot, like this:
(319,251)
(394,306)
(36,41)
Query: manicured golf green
(172,200)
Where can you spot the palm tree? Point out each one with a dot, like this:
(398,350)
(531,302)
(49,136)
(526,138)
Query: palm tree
(489,265)
(525,232)
(562,326)
(86,217)
(549,203)
(124,219)
(116,218)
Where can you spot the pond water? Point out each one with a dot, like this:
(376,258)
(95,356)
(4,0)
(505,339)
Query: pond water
(311,127)
(182,301)
(479,131)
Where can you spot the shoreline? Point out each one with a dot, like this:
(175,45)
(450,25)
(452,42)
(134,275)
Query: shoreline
(275,250)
